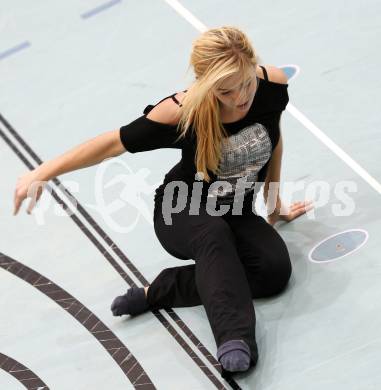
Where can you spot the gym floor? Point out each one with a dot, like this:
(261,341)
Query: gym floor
(72,70)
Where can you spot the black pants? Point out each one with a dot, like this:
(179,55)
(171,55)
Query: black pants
(237,258)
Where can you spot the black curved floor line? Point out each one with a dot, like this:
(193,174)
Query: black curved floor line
(115,348)
(128,263)
(23,374)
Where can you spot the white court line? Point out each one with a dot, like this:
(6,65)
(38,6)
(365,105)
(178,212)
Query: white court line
(188,16)
(333,147)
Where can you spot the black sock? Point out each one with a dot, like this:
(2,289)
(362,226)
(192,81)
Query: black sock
(133,302)
(234,355)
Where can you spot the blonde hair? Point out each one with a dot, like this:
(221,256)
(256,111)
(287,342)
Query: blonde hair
(216,54)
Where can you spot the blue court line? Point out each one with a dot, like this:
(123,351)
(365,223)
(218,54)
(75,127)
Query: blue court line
(100,8)
(14,49)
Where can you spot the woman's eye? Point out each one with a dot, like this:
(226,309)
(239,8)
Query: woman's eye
(246,86)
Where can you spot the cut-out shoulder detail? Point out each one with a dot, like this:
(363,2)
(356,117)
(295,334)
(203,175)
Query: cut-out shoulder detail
(178,97)
(275,74)
(262,72)
(176,101)
(166,112)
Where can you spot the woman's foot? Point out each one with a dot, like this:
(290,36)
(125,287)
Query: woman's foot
(234,355)
(133,302)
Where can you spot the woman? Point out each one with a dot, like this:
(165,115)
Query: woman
(227,126)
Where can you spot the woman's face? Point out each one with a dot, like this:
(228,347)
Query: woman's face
(236,94)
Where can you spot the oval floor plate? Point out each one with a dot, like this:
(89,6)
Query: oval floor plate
(338,245)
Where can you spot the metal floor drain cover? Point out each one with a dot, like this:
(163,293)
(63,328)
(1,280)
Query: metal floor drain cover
(338,245)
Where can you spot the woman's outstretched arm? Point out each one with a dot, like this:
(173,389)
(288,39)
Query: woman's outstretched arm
(84,155)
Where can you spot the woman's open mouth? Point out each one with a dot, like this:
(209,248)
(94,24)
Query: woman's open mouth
(243,105)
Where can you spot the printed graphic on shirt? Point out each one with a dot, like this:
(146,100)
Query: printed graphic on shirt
(248,152)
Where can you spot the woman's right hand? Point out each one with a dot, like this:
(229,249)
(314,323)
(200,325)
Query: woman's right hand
(88,153)
(29,185)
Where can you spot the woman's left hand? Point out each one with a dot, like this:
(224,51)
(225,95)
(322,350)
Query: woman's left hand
(295,210)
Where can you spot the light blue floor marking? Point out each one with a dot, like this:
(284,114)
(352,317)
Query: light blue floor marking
(100,8)
(14,49)
(291,70)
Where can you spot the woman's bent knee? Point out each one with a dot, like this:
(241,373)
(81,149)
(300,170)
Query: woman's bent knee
(282,275)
